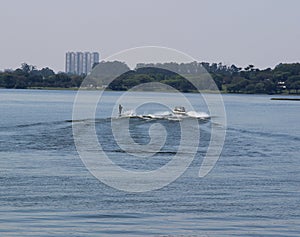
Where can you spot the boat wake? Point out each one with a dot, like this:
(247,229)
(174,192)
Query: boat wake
(165,115)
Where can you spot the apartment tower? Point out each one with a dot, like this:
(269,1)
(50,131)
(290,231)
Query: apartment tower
(81,62)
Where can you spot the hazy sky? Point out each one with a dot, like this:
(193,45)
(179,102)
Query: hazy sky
(259,32)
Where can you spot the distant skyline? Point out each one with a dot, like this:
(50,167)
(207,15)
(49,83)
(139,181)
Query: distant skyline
(80,62)
(259,32)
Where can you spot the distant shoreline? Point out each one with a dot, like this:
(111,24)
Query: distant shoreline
(190,92)
(284,79)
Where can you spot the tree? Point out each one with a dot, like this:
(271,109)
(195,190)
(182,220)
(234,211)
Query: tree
(292,83)
(238,84)
(269,86)
(296,86)
(27,68)
(218,79)
(260,88)
(9,80)
(46,72)
(21,82)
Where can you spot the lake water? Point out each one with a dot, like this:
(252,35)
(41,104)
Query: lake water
(45,190)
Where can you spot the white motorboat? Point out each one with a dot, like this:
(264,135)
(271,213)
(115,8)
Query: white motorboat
(179,110)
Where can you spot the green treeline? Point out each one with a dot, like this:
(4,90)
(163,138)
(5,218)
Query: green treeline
(284,78)
(151,74)
(27,76)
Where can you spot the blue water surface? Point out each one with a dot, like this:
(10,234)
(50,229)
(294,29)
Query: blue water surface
(45,189)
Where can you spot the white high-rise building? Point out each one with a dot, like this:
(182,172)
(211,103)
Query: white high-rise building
(81,63)
(70,62)
(95,59)
(87,61)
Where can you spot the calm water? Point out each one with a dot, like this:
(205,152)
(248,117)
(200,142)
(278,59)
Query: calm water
(254,190)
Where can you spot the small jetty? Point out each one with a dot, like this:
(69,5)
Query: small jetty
(293,99)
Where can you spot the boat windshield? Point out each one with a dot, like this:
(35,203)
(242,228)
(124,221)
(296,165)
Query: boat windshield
(179,109)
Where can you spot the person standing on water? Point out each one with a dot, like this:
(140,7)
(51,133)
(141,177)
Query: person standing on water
(120,110)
